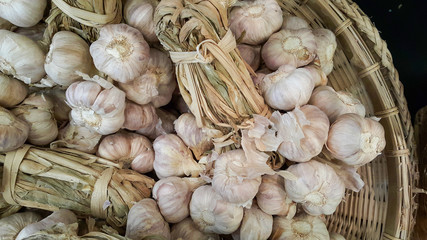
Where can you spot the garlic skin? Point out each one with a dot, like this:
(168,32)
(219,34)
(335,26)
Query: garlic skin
(258,19)
(15,60)
(131,149)
(289,47)
(163,126)
(144,219)
(294,23)
(173,158)
(11,226)
(121,52)
(326,45)
(251,55)
(300,227)
(272,198)
(23,13)
(155,85)
(355,140)
(335,104)
(140,15)
(139,116)
(76,137)
(37,111)
(336,236)
(212,214)
(318,188)
(13,131)
(256,225)
(67,54)
(173,195)
(98,109)
(12,91)
(186,229)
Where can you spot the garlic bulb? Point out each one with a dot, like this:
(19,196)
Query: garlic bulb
(258,19)
(272,197)
(289,47)
(61,216)
(140,15)
(60,107)
(336,236)
(15,57)
(10,226)
(318,188)
(163,126)
(144,219)
(76,137)
(294,23)
(12,91)
(173,158)
(37,111)
(304,132)
(251,55)
(13,131)
(335,104)
(256,225)
(212,214)
(67,54)
(355,140)
(140,116)
(23,13)
(168,119)
(131,149)
(187,230)
(173,195)
(121,52)
(155,85)
(98,109)
(300,227)
(326,46)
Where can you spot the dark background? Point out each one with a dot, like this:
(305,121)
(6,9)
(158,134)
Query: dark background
(403,25)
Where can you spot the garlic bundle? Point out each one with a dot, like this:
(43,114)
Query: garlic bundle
(121,52)
(256,225)
(187,230)
(12,91)
(67,54)
(300,227)
(11,226)
(37,111)
(23,13)
(335,104)
(131,149)
(164,125)
(336,236)
(144,219)
(289,47)
(21,57)
(326,45)
(155,85)
(251,55)
(317,187)
(140,15)
(355,140)
(304,131)
(95,107)
(60,107)
(140,116)
(76,137)
(13,131)
(294,23)
(173,195)
(173,158)
(272,197)
(212,214)
(258,19)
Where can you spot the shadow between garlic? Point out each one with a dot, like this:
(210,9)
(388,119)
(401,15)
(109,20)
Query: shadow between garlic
(301,227)
(186,229)
(13,131)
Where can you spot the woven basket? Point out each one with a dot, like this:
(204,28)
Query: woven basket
(385,208)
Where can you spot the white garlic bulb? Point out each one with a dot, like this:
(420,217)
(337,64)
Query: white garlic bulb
(293,22)
(101,110)
(13,131)
(11,226)
(140,116)
(140,15)
(12,91)
(258,19)
(144,219)
(355,140)
(67,54)
(173,195)
(289,47)
(186,229)
(272,197)
(131,149)
(173,158)
(155,85)
(317,187)
(212,214)
(21,57)
(326,45)
(121,52)
(304,132)
(76,137)
(336,236)
(256,225)
(300,227)
(335,104)
(251,55)
(23,13)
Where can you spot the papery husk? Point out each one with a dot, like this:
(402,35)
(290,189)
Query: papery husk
(69,179)
(5,208)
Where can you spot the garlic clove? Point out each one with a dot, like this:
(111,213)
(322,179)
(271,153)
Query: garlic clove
(13,131)
(76,137)
(23,13)
(302,226)
(326,45)
(251,55)
(294,23)
(140,15)
(139,116)
(255,225)
(12,91)
(187,230)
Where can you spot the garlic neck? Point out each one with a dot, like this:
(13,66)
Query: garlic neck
(90,117)
(369,143)
(316,198)
(6,67)
(292,44)
(301,228)
(119,47)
